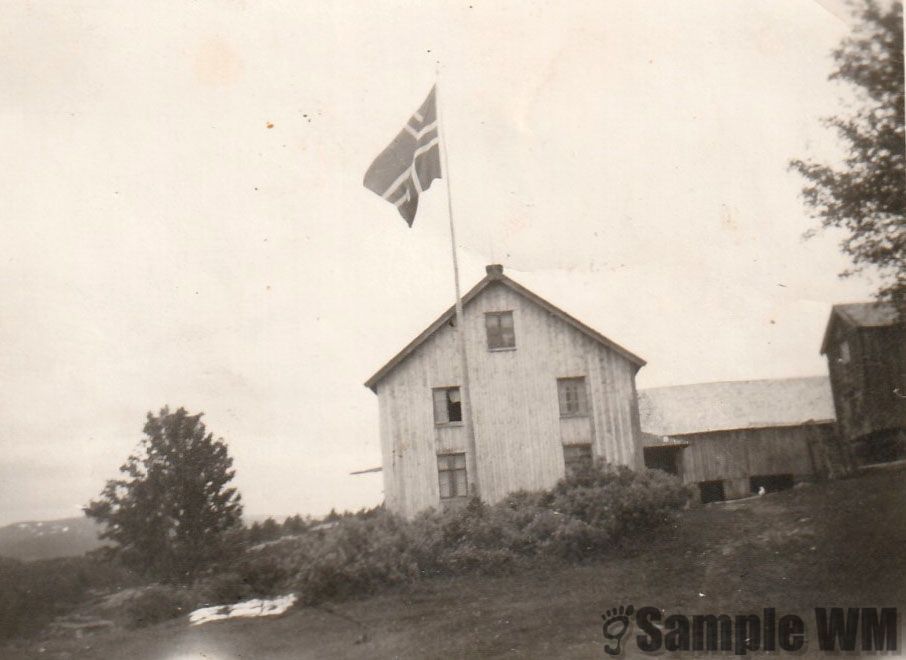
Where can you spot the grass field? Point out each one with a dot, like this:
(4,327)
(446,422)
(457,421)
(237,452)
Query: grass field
(833,544)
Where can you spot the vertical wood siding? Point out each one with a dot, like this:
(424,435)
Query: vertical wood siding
(515,406)
(746,453)
(869,389)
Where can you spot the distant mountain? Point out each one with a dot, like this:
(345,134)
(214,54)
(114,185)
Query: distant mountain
(47,539)
(67,537)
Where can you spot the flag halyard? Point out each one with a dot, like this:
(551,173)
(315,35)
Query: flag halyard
(410,163)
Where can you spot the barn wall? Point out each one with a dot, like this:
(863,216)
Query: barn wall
(846,381)
(737,455)
(515,408)
(883,352)
(864,387)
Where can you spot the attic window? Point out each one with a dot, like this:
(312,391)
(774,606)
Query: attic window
(501,334)
(447,405)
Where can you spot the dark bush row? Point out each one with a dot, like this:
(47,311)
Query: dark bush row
(583,516)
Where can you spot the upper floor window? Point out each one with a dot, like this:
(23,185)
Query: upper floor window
(573,400)
(447,405)
(500,330)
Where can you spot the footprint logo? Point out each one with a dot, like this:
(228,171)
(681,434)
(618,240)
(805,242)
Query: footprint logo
(616,623)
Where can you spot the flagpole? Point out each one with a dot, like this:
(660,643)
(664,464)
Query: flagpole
(471,458)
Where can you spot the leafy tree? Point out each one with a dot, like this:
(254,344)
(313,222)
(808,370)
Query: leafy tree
(270,530)
(295,525)
(865,195)
(172,513)
(254,534)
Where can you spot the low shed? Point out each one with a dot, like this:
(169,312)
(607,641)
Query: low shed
(733,438)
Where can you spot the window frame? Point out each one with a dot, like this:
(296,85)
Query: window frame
(572,464)
(582,402)
(434,405)
(453,467)
(500,330)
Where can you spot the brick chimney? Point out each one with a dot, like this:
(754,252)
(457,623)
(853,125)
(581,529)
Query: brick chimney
(494,270)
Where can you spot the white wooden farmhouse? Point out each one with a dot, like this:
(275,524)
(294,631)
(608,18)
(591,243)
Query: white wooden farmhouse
(547,393)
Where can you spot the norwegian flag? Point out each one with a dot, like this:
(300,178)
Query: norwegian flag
(409,164)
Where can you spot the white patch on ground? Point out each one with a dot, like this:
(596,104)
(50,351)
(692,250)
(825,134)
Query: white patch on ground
(248,608)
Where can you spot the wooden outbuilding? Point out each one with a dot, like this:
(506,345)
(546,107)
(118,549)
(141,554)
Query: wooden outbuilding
(548,393)
(732,439)
(865,346)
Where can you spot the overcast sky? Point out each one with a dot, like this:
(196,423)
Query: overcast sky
(183,219)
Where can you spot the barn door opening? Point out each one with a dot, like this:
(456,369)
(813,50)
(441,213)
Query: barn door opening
(666,458)
(711,491)
(771,482)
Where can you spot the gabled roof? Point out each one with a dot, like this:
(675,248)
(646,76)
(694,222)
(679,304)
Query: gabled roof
(860,315)
(495,276)
(705,407)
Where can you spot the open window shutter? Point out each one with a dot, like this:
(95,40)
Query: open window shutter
(493,329)
(445,484)
(581,397)
(507,335)
(440,407)
(561,393)
(461,487)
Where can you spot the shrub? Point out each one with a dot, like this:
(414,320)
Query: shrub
(618,502)
(223,588)
(34,593)
(355,557)
(469,558)
(263,576)
(583,516)
(158,603)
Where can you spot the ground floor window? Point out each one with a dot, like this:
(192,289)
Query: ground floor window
(771,483)
(576,458)
(711,491)
(451,474)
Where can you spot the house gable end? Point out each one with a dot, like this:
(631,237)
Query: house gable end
(496,277)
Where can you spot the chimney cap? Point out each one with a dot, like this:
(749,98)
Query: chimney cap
(494,270)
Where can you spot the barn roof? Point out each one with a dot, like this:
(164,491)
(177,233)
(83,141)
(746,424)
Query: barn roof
(859,315)
(495,275)
(704,407)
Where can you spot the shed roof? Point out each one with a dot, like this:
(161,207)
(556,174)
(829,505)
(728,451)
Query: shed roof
(860,315)
(705,407)
(495,275)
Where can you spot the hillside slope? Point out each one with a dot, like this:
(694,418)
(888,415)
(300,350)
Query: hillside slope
(833,544)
